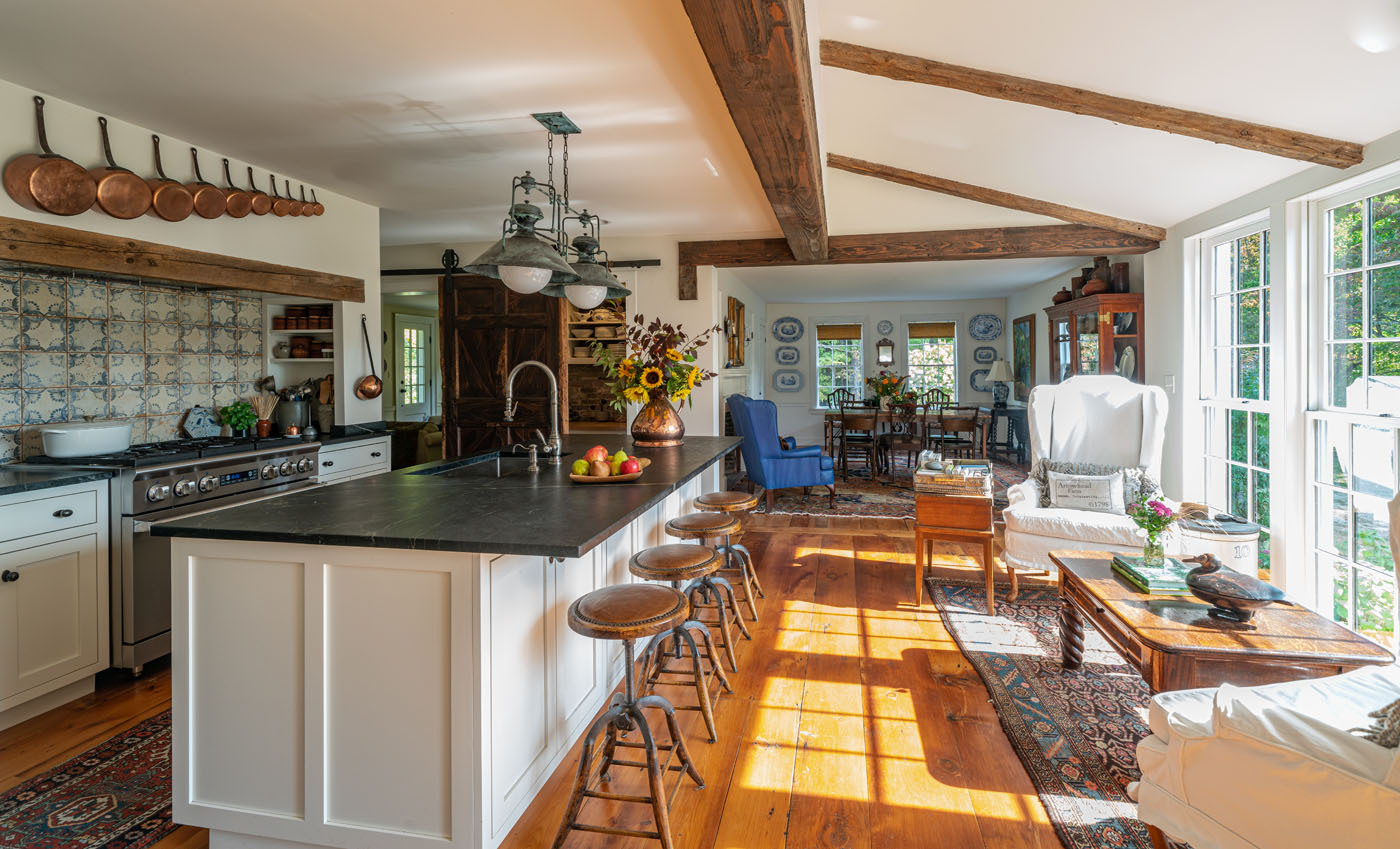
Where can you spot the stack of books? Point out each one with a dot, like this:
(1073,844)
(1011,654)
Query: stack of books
(954,477)
(1167,579)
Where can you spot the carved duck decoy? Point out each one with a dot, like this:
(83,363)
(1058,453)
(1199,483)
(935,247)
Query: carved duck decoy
(1234,596)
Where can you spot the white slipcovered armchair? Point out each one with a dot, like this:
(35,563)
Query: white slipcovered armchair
(1274,767)
(1100,419)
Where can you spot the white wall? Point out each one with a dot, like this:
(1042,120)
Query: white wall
(749,378)
(797,413)
(343,241)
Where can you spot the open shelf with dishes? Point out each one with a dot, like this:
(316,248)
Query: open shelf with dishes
(607,324)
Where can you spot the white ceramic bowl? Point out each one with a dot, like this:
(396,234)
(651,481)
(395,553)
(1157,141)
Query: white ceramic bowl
(85,439)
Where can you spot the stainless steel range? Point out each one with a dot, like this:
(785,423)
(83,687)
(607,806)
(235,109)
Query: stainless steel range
(161,481)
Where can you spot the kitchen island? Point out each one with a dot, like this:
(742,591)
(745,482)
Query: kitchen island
(387,662)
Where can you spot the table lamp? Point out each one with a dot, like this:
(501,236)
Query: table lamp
(1001,375)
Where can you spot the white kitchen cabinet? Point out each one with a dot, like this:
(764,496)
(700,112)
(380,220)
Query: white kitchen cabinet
(360,459)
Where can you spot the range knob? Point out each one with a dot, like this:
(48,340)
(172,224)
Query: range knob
(184,486)
(287,468)
(208,483)
(269,472)
(159,492)
(304,464)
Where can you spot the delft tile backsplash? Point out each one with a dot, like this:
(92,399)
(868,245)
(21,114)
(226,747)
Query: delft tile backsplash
(73,344)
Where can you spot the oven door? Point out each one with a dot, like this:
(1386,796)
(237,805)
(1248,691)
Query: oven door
(141,610)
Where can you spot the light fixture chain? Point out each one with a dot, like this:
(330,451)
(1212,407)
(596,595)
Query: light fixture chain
(566,171)
(549,146)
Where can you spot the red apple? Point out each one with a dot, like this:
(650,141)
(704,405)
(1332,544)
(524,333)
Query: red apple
(597,452)
(600,469)
(630,466)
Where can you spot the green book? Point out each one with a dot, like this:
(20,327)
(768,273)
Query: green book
(1169,579)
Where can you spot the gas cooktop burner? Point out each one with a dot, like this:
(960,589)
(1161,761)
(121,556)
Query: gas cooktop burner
(155,453)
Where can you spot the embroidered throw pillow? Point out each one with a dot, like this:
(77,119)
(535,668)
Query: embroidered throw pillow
(1138,485)
(1099,493)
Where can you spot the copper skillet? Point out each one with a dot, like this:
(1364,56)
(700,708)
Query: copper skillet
(262,204)
(319,208)
(240,203)
(295,206)
(47,182)
(308,208)
(280,205)
(209,200)
(170,200)
(120,192)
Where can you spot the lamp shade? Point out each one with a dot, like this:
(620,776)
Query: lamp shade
(1001,372)
(592,276)
(523,250)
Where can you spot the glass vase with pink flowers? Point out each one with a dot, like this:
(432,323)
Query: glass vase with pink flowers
(1155,518)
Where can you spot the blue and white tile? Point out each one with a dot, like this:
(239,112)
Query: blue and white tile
(126,337)
(126,369)
(127,401)
(222,340)
(162,338)
(191,394)
(249,343)
(222,311)
(87,299)
(43,406)
(248,313)
(9,444)
(162,368)
(9,407)
(9,291)
(225,394)
(162,305)
(194,339)
(10,370)
(194,368)
(160,428)
(41,295)
(161,400)
(87,370)
(45,370)
(126,302)
(194,308)
(249,369)
(9,333)
(222,369)
(87,402)
(45,334)
(87,334)
(138,430)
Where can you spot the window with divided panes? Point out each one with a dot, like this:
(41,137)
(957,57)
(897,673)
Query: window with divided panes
(839,364)
(933,357)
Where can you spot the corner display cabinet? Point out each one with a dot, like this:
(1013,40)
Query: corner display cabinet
(1097,334)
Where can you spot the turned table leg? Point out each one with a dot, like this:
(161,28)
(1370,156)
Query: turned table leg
(1071,635)
(989,565)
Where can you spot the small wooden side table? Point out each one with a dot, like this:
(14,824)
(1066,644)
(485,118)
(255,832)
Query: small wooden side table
(956,518)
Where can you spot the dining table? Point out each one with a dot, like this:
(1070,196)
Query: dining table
(873,418)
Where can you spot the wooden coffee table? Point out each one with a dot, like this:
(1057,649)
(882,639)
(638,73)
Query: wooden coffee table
(1175,645)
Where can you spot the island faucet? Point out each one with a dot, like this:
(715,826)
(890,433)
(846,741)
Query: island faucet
(553,448)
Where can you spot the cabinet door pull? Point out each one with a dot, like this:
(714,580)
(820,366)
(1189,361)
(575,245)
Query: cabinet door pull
(62,514)
(376,454)
(328,463)
(9,576)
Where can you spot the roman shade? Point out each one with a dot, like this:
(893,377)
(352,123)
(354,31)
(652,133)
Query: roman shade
(932,330)
(838,331)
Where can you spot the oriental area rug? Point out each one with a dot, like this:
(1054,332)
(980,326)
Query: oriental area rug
(886,496)
(113,796)
(1075,732)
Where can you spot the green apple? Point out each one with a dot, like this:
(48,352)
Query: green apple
(619,456)
(580,467)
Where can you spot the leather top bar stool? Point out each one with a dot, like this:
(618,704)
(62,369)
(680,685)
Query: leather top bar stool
(713,530)
(629,612)
(677,564)
(737,557)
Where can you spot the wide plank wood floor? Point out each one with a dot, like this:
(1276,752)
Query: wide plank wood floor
(855,720)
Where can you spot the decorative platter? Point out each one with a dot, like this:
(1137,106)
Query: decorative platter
(787,380)
(641,461)
(787,329)
(985,327)
(787,355)
(200,423)
(985,354)
(885,327)
(978,380)
(1127,363)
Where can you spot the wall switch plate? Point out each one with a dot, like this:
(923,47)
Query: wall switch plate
(1169,384)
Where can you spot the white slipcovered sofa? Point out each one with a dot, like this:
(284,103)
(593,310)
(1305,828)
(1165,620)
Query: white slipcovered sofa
(1101,419)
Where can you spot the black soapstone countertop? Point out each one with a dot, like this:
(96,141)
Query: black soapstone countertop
(15,478)
(461,505)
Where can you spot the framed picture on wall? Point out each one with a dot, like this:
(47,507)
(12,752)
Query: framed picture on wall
(1023,355)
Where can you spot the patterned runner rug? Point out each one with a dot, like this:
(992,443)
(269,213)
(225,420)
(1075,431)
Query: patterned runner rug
(114,796)
(884,497)
(1075,732)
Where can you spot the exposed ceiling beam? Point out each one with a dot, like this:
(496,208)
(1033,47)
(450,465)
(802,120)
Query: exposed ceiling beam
(1007,200)
(1250,136)
(758,54)
(1053,240)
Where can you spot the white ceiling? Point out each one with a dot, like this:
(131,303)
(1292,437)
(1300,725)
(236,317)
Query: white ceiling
(901,281)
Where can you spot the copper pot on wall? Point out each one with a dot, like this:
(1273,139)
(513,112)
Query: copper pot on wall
(318,208)
(209,199)
(120,192)
(262,204)
(280,205)
(170,200)
(294,206)
(47,182)
(307,207)
(240,203)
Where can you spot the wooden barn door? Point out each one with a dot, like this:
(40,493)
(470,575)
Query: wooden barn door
(486,330)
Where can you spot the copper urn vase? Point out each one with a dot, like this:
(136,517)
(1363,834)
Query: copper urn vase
(658,425)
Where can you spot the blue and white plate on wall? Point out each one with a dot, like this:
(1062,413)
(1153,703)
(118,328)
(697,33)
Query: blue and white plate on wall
(885,327)
(787,329)
(985,327)
(787,355)
(787,380)
(978,380)
(985,354)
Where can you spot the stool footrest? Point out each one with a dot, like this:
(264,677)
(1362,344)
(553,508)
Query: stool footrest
(620,832)
(617,797)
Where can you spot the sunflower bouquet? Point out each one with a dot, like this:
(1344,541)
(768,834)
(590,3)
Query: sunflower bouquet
(659,362)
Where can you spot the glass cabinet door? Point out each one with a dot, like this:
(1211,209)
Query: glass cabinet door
(1127,343)
(1086,343)
(1064,354)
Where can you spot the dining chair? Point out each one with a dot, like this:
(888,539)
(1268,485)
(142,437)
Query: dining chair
(935,399)
(856,432)
(835,400)
(908,432)
(961,431)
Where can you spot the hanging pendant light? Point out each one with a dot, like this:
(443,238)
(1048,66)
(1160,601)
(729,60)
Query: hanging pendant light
(523,259)
(596,283)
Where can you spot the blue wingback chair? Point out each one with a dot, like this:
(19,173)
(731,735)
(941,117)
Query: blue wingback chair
(771,464)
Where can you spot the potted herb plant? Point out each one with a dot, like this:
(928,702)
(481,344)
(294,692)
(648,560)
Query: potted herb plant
(239,416)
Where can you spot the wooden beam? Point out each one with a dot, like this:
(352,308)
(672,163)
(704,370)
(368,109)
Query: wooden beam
(994,197)
(1053,240)
(1243,134)
(758,54)
(37,243)
(688,287)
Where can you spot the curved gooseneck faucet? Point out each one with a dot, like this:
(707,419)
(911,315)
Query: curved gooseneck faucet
(553,448)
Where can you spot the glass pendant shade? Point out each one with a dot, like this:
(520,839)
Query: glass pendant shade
(523,278)
(585,296)
(595,285)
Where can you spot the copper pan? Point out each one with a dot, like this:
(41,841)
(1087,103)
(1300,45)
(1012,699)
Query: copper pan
(170,200)
(280,205)
(120,192)
(319,208)
(209,200)
(47,182)
(308,209)
(294,206)
(262,204)
(240,203)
